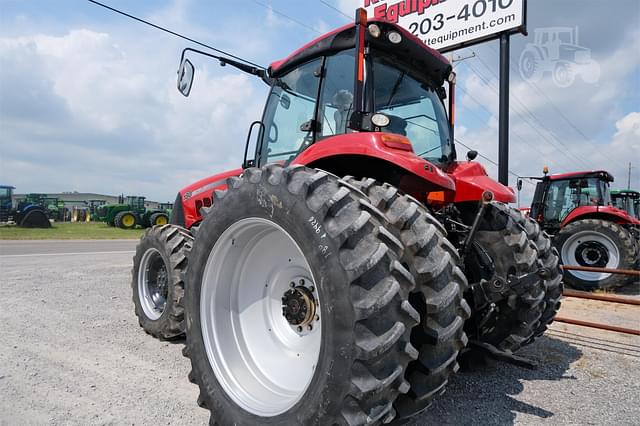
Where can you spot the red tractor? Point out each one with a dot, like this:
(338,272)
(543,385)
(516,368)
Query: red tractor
(337,275)
(587,229)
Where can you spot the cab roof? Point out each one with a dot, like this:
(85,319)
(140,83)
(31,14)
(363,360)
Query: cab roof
(626,193)
(600,174)
(410,50)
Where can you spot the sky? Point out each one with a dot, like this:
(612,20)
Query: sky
(88,98)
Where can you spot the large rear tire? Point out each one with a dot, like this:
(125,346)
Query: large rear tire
(438,295)
(276,241)
(36,218)
(159,219)
(596,243)
(157,280)
(512,322)
(125,220)
(550,259)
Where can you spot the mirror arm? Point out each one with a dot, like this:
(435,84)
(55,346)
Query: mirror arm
(249,69)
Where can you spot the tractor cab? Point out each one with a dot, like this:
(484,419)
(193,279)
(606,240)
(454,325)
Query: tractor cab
(6,202)
(627,200)
(135,203)
(562,198)
(314,99)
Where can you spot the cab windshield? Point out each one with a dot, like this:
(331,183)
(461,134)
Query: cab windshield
(413,107)
(565,195)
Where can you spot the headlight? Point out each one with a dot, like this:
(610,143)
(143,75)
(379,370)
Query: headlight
(394,37)
(374,30)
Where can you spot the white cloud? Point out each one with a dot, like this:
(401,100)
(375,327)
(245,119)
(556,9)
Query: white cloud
(102,118)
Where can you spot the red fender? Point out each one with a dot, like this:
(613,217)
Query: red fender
(472,180)
(605,212)
(384,146)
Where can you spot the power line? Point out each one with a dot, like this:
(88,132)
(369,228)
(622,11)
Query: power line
(493,162)
(174,33)
(277,12)
(527,112)
(516,134)
(555,107)
(330,6)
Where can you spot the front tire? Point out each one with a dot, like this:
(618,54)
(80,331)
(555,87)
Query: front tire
(125,220)
(512,321)
(157,280)
(273,227)
(596,243)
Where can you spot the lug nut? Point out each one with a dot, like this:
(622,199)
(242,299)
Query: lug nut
(317,317)
(299,329)
(310,327)
(312,288)
(292,284)
(301,282)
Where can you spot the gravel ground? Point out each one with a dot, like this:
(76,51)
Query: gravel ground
(74,354)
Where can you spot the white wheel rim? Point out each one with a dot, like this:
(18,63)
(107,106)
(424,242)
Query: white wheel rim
(152,287)
(263,363)
(574,247)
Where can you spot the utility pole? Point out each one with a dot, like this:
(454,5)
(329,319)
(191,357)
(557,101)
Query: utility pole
(503,118)
(629,177)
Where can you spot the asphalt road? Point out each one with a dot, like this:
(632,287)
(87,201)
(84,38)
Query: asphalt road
(73,353)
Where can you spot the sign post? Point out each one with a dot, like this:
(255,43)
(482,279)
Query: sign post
(447,25)
(503,112)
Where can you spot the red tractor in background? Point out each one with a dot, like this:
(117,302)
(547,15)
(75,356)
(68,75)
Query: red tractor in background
(587,229)
(337,275)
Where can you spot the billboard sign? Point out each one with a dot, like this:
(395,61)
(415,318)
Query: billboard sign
(447,25)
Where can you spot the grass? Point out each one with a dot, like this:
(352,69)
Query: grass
(69,231)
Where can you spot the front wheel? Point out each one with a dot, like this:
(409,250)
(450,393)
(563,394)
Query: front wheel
(600,244)
(297,306)
(157,280)
(125,220)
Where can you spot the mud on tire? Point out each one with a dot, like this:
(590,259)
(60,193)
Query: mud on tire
(157,280)
(516,318)
(438,295)
(362,289)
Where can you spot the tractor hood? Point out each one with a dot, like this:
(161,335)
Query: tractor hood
(472,180)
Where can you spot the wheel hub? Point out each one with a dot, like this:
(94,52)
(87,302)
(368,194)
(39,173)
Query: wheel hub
(153,284)
(299,306)
(592,253)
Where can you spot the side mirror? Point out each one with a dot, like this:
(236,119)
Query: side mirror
(185,77)
(471,155)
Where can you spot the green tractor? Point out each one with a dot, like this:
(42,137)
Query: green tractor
(627,200)
(130,212)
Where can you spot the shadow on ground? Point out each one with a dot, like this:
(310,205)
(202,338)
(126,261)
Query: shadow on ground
(485,394)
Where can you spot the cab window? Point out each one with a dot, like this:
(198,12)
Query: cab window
(289,114)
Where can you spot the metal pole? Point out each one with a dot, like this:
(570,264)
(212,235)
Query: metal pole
(503,119)
(596,325)
(601,297)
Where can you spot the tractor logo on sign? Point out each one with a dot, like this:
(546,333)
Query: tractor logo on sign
(556,51)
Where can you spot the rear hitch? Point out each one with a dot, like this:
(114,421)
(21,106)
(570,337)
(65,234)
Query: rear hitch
(500,355)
